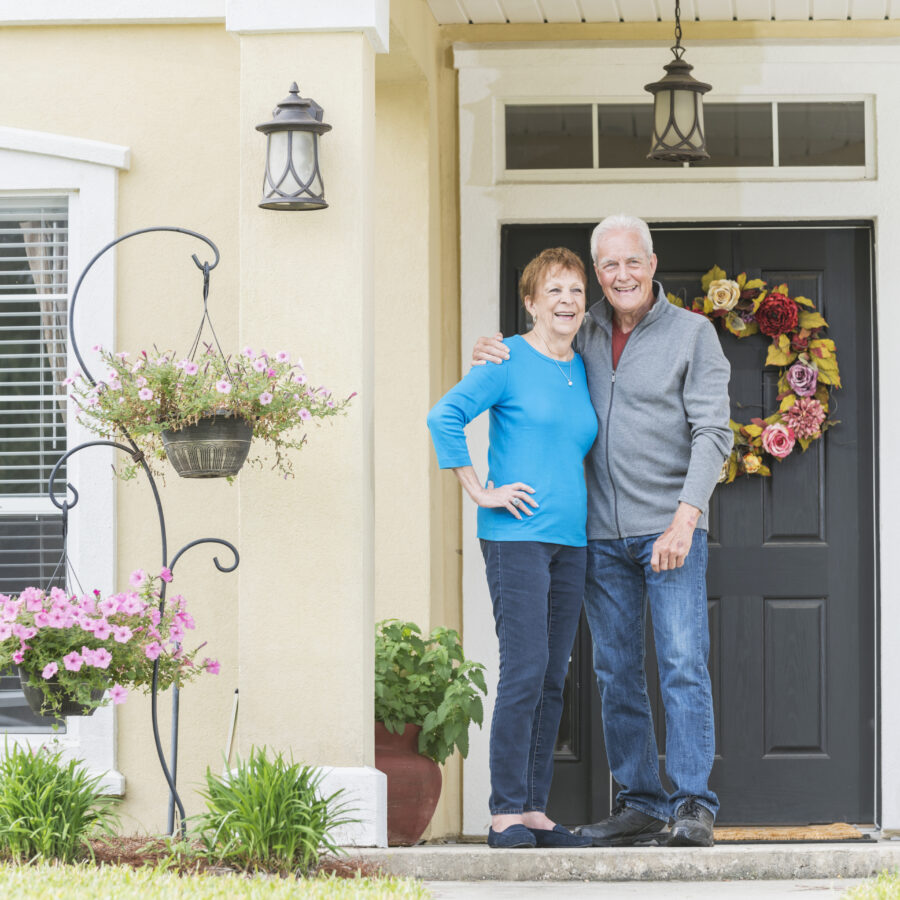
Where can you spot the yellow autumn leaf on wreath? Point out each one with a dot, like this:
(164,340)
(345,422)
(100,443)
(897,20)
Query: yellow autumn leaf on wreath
(714,274)
(805,301)
(812,320)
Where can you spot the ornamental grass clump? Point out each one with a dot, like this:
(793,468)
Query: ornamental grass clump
(49,808)
(269,815)
(152,393)
(84,646)
(427,681)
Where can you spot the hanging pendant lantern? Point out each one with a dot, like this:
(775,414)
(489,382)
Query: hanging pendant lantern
(678,108)
(293,180)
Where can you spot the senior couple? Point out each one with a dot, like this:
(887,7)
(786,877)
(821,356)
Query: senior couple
(631,398)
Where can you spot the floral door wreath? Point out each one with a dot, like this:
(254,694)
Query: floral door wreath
(806,360)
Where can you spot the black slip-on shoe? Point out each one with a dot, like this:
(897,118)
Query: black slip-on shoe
(693,826)
(558,836)
(512,838)
(622,827)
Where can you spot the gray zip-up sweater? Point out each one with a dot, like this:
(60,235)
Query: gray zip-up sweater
(663,417)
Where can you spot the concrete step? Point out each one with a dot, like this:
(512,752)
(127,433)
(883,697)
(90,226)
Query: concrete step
(478,862)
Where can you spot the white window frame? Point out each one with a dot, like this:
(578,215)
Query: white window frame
(775,172)
(35,164)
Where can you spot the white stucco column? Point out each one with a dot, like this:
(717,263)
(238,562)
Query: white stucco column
(306,286)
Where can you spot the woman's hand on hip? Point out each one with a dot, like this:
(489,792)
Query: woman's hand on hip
(515,497)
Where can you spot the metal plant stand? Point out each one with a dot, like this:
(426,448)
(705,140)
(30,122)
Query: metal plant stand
(169,767)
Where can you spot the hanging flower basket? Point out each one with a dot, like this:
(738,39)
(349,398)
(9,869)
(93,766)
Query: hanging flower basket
(215,447)
(63,703)
(202,414)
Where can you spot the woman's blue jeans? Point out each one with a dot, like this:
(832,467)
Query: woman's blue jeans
(620,582)
(537,591)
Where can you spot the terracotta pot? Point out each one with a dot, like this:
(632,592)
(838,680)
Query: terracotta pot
(69,707)
(216,447)
(413,783)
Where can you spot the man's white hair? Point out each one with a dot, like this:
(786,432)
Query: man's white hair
(621,223)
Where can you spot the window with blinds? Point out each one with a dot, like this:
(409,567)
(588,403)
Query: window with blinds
(33,308)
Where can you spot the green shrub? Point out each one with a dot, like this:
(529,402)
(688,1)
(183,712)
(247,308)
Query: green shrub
(269,815)
(48,807)
(427,681)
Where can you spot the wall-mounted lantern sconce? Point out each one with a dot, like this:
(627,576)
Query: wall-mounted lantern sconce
(678,108)
(293,180)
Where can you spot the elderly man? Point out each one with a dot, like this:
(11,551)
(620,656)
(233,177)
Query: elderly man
(659,384)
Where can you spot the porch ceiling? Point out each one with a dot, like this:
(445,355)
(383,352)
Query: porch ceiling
(516,12)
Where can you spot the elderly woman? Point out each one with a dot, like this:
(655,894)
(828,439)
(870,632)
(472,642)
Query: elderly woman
(531,522)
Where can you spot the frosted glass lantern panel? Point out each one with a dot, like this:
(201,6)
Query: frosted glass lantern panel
(299,144)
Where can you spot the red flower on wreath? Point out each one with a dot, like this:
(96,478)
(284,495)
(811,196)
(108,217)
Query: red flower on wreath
(777,314)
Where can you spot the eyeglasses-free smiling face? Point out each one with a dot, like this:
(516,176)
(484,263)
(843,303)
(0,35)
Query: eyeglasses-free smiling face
(558,305)
(625,273)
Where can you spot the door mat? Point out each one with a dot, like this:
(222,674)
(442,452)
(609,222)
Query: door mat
(836,831)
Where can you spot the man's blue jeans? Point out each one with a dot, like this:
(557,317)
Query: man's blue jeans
(536,590)
(619,583)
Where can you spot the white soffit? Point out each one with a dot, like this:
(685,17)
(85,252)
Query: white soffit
(520,12)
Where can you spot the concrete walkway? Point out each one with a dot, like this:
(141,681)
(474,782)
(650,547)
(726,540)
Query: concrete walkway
(656,890)
(726,862)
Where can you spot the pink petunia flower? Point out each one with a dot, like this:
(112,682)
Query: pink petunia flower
(300,379)
(223,386)
(122,634)
(304,414)
(102,629)
(212,666)
(131,605)
(260,365)
(166,574)
(145,394)
(5,631)
(88,656)
(191,368)
(137,578)
(49,670)
(118,694)
(72,661)
(265,398)
(248,352)
(108,606)
(18,656)
(283,356)
(140,381)
(102,658)
(41,619)
(152,650)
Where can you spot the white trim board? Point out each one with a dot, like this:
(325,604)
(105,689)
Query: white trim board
(65,147)
(490,75)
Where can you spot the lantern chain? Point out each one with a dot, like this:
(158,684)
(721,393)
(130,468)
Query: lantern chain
(678,50)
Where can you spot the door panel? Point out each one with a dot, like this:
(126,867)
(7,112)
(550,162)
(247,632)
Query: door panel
(790,579)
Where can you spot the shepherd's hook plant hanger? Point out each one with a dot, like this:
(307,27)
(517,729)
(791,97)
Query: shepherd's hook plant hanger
(169,767)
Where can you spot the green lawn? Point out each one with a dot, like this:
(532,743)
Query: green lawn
(885,887)
(88,882)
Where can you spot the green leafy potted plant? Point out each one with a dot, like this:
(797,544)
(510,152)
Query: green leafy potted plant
(75,654)
(426,696)
(202,414)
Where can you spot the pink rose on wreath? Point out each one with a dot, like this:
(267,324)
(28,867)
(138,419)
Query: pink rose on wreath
(805,417)
(777,314)
(802,379)
(778,440)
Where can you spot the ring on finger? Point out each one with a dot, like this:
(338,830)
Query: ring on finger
(516,501)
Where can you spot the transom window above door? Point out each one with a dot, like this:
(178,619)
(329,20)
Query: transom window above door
(768,139)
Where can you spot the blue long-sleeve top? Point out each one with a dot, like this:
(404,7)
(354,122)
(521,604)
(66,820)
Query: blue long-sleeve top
(540,430)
